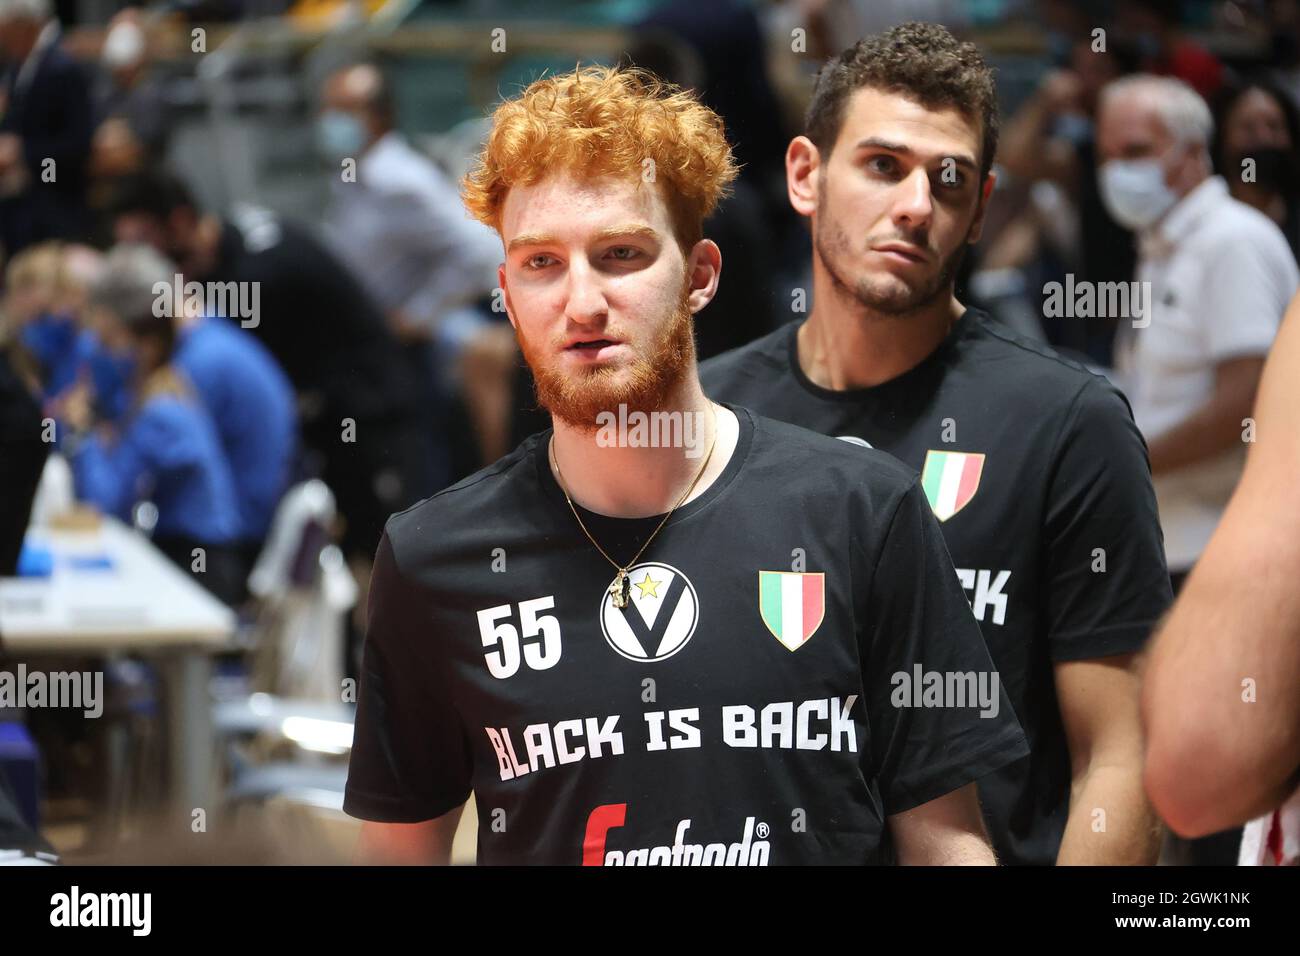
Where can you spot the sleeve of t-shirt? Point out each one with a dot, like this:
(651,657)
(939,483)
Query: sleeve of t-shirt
(1105,577)
(113,475)
(410,760)
(920,624)
(1247,286)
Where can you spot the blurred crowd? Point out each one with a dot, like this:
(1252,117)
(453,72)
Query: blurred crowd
(205,360)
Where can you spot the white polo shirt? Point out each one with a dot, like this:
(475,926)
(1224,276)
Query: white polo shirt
(1221,277)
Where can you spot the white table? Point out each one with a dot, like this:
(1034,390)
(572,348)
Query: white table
(145,605)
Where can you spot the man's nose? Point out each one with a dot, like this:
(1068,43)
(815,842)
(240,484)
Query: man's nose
(585,299)
(914,203)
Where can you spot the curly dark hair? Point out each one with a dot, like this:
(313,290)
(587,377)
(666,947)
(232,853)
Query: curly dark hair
(922,61)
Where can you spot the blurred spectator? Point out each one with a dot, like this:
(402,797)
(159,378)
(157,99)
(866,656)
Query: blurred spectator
(397,220)
(1221,276)
(134,116)
(34,307)
(22,450)
(744,308)
(45,299)
(252,405)
(728,42)
(1257,150)
(1155,28)
(45,130)
(166,449)
(1052,139)
(358,399)
(838,24)
(243,389)
(1285,21)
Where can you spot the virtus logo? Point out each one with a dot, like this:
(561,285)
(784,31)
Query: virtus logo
(611,816)
(658,620)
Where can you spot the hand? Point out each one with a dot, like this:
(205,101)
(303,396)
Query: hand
(75,405)
(407,330)
(1061,91)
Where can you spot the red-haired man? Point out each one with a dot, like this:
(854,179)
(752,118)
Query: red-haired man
(655,635)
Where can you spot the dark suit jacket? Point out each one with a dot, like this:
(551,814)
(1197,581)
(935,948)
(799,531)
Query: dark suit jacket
(52,113)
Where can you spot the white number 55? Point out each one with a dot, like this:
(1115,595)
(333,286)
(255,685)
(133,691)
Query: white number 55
(541,637)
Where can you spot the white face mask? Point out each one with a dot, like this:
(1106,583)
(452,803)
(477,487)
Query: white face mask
(124,46)
(1134,191)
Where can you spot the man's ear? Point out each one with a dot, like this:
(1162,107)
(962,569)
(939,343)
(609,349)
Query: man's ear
(505,295)
(802,169)
(703,271)
(977,226)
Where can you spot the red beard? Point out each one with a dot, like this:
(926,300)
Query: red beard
(577,398)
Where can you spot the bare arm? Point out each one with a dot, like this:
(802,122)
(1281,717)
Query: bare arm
(1221,699)
(1215,426)
(409,844)
(946,831)
(1110,820)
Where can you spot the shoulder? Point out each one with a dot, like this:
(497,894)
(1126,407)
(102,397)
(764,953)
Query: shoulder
(784,451)
(760,357)
(1235,228)
(396,167)
(1021,370)
(493,498)
(169,420)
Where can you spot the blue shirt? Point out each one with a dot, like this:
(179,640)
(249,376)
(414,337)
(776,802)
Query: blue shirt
(168,452)
(252,406)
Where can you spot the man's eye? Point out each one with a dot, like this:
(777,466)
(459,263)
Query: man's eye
(882,164)
(539,261)
(624,253)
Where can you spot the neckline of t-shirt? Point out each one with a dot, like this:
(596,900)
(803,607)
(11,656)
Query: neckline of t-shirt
(553,492)
(959,329)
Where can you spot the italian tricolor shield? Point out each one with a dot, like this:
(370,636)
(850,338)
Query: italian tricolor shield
(792,605)
(950,479)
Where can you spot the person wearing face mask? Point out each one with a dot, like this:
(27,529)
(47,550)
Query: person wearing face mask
(1258,132)
(44,302)
(165,449)
(135,116)
(1217,275)
(399,224)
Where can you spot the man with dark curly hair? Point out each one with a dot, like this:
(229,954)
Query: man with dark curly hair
(1031,463)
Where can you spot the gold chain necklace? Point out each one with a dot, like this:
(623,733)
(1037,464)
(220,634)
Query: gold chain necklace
(621,589)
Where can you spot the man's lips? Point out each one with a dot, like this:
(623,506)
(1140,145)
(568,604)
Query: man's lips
(593,350)
(594,345)
(902,250)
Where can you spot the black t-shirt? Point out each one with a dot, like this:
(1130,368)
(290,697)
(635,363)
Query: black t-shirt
(741,708)
(1041,481)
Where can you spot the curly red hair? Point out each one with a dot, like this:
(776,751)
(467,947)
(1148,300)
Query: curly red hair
(599,121)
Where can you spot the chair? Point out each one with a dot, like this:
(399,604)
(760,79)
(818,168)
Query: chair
(285,737)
